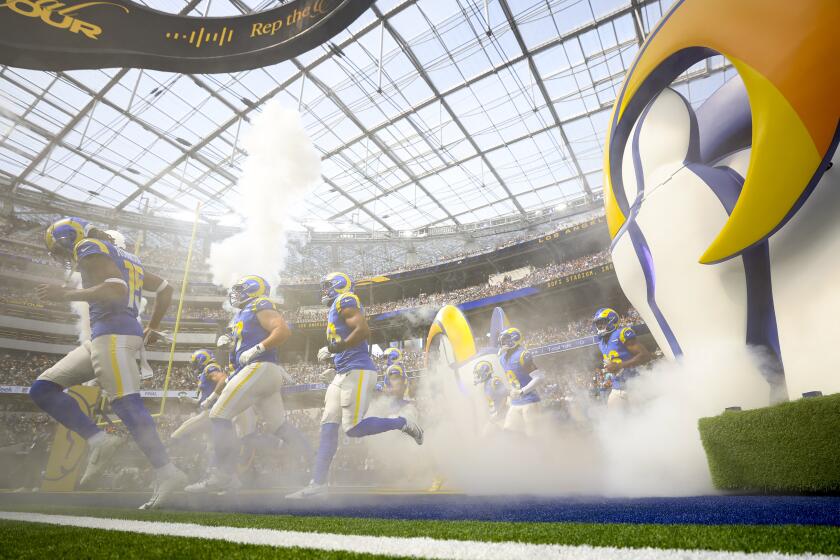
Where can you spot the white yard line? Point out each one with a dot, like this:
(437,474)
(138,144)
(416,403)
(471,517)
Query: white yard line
(416,547)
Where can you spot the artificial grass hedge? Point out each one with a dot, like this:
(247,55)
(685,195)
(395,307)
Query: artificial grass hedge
(789,447)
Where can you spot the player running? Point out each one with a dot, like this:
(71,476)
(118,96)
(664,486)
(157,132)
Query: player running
(211,381)
(349,395)
(496,392)
(112,284)
(524,377)
(258,331)
(620,350)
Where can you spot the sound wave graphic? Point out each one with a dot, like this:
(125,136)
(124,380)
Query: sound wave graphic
(202,37)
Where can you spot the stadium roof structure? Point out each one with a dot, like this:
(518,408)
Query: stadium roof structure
(426,113)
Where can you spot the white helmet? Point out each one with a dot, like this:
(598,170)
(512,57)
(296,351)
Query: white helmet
(119,239)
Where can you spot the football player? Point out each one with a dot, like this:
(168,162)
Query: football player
(524,378)
(258,331)
(112,284)
(349,394)
(392,356)
(211,381)
(495,391)
(621,352)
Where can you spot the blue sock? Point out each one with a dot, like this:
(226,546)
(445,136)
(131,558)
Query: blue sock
(373,425)
(327,447)
(290,434)
(225,445)
(51,398)
(139,422)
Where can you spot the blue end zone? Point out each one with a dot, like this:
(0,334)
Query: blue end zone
(701,510)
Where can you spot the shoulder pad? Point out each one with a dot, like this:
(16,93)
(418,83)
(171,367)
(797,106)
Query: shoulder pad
(88,246)
(262,303)
(525,357)
(347,301)
(626,334)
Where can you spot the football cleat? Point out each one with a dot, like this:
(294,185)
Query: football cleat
(101,454)
(218,482)
(165,485)
(310,491)
(413,430)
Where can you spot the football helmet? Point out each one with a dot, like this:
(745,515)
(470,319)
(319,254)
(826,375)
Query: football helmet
(605,321)
(118,238)
(201,358)
(392,355)
(510,338)
(482,371)
(62,236)
(247,288)
(333,285)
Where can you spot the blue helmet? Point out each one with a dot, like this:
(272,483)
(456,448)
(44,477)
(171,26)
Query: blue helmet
(605,321)
(392,370)
(333,285)
(510,338)
(392,355)
(247,288)
(482,371)
(200,358)
(62,236)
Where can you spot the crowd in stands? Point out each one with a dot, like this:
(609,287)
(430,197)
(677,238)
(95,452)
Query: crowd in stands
(308,262)
(470,293)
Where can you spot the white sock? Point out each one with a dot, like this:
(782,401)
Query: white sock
(96,438)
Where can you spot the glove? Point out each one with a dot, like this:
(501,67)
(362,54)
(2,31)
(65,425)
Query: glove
(248,355)
(327,374)
(515,393)
(335,346)
(223,341)
(324,355)
(207,403)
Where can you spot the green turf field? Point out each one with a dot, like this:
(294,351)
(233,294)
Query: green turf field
(789,447)
(34,540)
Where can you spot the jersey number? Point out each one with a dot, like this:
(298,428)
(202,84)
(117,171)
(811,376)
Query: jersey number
(237,335)
(135,284)
(332,335)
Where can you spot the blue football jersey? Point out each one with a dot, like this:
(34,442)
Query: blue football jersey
(496,393)
(247,332)
(113,318)
(614,350)
(357,357)
(206,386)
(518,365)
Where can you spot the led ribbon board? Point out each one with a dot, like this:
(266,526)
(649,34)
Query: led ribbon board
(72,35)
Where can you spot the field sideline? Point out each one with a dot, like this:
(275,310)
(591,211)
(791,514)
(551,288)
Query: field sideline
(36,532)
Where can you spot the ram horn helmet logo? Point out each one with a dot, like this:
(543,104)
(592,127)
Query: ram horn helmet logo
(786,55)
(60,15)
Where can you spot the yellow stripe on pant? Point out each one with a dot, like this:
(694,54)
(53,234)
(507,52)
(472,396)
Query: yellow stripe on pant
(359,396)
(221,404)
(115,365)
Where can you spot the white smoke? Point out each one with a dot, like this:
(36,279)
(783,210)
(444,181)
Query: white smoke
(649,446)
(281,168)
(80,309)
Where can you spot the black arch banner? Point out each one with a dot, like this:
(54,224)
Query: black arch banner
(79,34)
